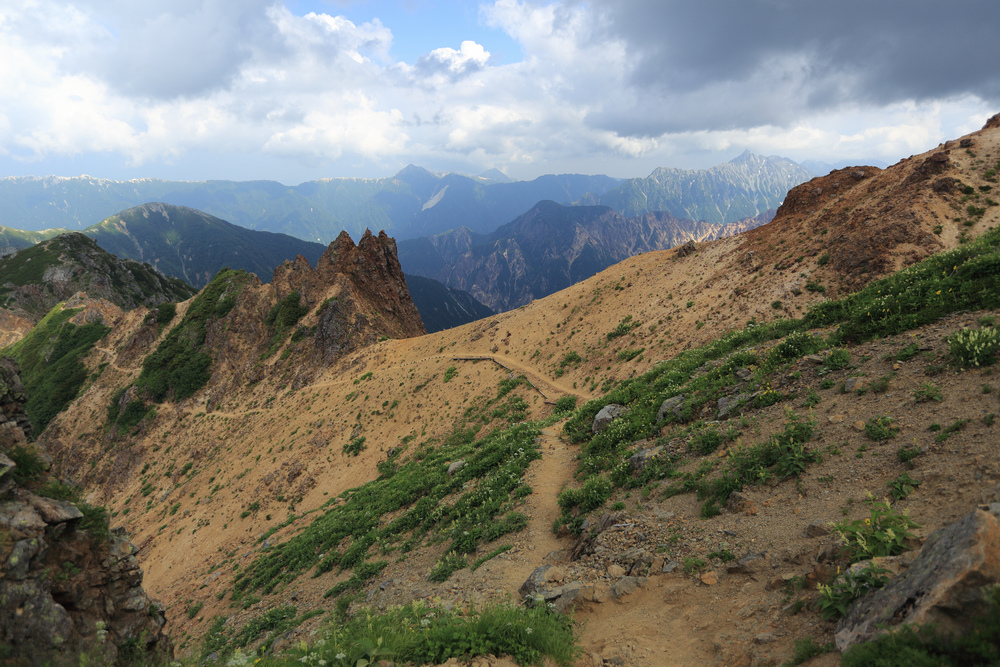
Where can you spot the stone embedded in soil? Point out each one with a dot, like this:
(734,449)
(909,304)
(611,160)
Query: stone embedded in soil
(616,571)
(709,578)
(625,586)
(607,414)
(672,406)
(943,585)
(817,529)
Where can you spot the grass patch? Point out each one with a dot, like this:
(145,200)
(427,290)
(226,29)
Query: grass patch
(49,357)
(473,506)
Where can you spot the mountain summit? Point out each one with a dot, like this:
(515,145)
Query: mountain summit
(744,187)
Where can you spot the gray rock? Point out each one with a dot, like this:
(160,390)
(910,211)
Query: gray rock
(20,557)
(625,586)
(817,529)
(31,618)
(54,511)
(608,413)
(943,585)
(750,565)
(671,406)
(20,519)
(853,384)
(535,581)
(572,594)
(641,458)
(455,467)
(672,566)
(730,404)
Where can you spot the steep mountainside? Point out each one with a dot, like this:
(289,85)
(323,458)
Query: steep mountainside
(548,249)
(413,202)
(12,240)
(741,188)
(442,307)
(693,527)
(192,245)
(33,280)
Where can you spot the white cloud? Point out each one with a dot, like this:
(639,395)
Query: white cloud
(602,87)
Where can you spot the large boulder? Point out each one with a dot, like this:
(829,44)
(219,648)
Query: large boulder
(608,413)
(672,406)
(943,586)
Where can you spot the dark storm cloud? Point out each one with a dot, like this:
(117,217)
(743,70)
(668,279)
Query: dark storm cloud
(808,56)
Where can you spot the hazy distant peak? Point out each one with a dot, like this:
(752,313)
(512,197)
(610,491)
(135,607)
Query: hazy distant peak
(495,176)
(746,156)
(412,171)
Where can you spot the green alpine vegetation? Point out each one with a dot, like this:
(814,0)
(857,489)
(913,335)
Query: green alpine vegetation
(54,270)
(180,365)
(964,279)
(51,369)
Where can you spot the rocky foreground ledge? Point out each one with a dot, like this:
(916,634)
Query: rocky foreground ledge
(68,585)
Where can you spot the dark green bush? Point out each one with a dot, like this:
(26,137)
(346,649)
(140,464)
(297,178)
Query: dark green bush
(565,404)
(287,312)
(30,465)
(165,313)
(180,366)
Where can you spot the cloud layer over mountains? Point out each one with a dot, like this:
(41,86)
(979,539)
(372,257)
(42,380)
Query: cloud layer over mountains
(268,89)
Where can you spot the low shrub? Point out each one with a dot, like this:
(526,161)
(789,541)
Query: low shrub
(881,428)
(834,598)
(974,347)
(882,533)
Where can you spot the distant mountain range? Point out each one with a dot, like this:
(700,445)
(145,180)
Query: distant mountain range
(412,203)
(550,248)
(741,188)
(191,245)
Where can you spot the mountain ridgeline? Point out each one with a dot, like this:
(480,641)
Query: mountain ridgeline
(741,188)
(188,245)
(550,248)
(193,245)
(33,280)
(412,203)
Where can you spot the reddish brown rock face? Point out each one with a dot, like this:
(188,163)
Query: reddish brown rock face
(365,279)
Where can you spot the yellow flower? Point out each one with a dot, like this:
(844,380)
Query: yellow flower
(868,522)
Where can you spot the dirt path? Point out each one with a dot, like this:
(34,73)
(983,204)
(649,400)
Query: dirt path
(113,360)
(546,477)
(539,379)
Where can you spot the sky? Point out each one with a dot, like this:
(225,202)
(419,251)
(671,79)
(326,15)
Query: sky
(296,90)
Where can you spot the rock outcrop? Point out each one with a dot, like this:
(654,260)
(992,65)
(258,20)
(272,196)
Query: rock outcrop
(39,277)
(68,585)
(943,586)
(360,291)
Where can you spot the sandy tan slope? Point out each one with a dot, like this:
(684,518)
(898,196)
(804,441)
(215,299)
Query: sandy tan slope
(185,485)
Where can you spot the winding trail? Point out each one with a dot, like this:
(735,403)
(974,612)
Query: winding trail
(546,476)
